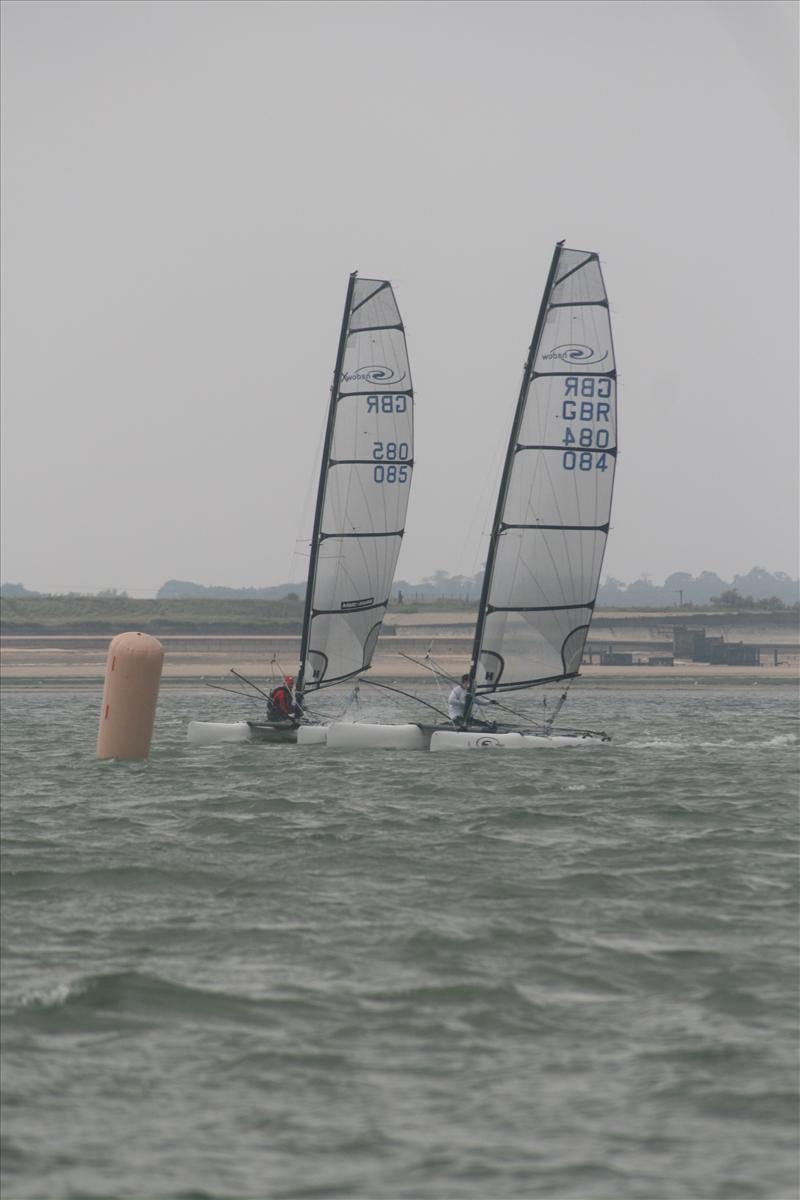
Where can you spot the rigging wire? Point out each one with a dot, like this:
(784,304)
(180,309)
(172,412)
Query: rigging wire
(438,676)
(219,688)
(352,701)
(408,695)
(445,675)
(250,683)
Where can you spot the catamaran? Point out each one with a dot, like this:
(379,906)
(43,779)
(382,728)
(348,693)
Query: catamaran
(549,531)
(362,497)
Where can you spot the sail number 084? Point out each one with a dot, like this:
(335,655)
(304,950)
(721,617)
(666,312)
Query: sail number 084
(589,441)
(585,460)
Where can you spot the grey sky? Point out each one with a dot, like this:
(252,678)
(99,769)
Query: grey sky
(188,185)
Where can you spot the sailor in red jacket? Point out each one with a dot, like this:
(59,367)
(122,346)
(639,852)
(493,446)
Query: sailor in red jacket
(281,701)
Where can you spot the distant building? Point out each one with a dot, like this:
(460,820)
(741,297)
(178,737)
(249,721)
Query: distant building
(696,645)
(735,654)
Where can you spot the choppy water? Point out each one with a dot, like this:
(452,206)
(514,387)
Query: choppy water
(252,971)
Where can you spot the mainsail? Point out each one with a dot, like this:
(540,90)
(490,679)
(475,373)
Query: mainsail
(553,510)
(365,479)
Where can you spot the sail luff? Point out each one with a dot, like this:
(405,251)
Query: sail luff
(503,491)
(323,478)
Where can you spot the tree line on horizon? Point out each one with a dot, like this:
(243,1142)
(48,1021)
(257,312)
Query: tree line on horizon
(757,589)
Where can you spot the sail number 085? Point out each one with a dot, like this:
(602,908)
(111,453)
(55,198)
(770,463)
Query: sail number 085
(391,465)
(390,473)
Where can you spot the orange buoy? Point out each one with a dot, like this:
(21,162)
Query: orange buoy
(130,694)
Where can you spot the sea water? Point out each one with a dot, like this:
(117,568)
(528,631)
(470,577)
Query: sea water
(257,971)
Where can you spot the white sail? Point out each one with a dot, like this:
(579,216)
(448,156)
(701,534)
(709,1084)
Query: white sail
(364,487)
(553,511)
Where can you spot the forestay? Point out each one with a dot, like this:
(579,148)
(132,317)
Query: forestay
(553,511)
(364,488)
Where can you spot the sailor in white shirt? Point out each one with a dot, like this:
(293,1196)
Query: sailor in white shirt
(458,698)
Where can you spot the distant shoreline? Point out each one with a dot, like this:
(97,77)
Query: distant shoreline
(91,674)
(444,635)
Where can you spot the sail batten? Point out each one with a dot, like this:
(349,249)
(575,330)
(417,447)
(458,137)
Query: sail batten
(553,511)
(494,608)
(544,446)
(388,534)
(393,391)
(354,606)
(372,328)
(566,528)
(363,491)
(579,303)
(349,462)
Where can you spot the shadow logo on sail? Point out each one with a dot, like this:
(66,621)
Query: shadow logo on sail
(574,353)
(383,375)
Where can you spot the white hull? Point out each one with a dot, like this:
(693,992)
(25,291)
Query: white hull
(216,733)
(219,733)
(358,735)
(312,735)
(455,739)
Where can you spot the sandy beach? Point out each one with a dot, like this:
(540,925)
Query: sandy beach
(202,657)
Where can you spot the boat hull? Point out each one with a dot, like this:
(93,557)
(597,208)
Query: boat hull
(358,735)
(312,735)
(457,739)
(283,733)
(219,733)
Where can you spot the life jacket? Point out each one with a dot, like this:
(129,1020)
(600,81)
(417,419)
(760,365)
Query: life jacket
(281,701)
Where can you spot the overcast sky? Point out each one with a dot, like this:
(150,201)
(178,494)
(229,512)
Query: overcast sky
(188,185)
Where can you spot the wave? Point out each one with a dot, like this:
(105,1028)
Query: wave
(495,1007)
(141,996)
(778,741)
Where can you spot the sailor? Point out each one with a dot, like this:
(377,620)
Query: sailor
(281,701)
(458,698)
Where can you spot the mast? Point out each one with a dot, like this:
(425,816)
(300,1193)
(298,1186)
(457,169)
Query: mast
(323,479)
(501,497)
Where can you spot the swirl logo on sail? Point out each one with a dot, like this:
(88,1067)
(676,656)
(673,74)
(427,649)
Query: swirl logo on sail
(383,375)
(576,355)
